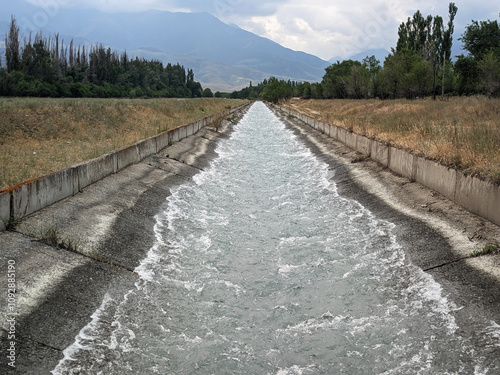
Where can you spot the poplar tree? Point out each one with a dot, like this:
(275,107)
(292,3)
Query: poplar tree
(12,47)
(429,38)
(478,70)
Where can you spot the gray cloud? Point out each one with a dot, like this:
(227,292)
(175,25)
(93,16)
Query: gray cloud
(228,9)
(321,27)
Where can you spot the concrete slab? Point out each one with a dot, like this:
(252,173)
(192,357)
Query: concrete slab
(86,218)
(175,135)
(326,128)
(182,132)
(403,163)
(162,141)
(437,177)
(351,140)
(5,207)
(190,130)
(56,291)
(146,147)
(318,125)
(334,132)
(28,256)
(341,135)
(126,157)
(363,145)
(310,121)
(95,170)
(480,197)
(379,153)
(44,191)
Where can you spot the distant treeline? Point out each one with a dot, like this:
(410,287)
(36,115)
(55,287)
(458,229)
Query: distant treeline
(419,66)
(46,67)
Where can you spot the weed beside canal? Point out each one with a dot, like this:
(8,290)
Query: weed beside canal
(490,248)
(52,237)
(40,136)
(461,132)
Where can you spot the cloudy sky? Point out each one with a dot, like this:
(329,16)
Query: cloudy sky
(334,28)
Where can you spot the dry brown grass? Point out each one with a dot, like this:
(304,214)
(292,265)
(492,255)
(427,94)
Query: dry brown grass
(40,136)
(460,132)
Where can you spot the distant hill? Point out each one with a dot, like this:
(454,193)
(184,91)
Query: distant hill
(380,54)
(223,57)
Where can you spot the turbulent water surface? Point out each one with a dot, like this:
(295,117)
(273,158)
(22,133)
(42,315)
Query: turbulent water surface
(260,267)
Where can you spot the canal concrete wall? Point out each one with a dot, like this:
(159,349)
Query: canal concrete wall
(30,196)
(476,195)
(97,239)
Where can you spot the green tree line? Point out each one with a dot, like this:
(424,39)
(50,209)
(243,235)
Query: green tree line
(46,67)
(272,90)
(419,66)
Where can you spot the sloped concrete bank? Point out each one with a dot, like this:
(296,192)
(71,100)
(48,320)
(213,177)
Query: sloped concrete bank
(464,230)
(112,221)
(30,196)
(437,234)
(111,224)
(476,195)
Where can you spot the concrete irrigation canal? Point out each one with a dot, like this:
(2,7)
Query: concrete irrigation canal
(255,250)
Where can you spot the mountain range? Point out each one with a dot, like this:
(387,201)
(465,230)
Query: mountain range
(379,53)
(223,57)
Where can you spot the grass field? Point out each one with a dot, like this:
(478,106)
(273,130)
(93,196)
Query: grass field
(459,132)
(40,136)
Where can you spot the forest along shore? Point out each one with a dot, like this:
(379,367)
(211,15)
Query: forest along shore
(112,224)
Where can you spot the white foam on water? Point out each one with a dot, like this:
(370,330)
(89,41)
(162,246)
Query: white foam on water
(188,262)
(147,266)
(493,332)
(425,289)
(284,269)
(84,339)
(329,321)
(297,370)
(238,289)
(194,341)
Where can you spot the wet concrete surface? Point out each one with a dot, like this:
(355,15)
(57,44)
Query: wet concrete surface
(438,236)
(112,224)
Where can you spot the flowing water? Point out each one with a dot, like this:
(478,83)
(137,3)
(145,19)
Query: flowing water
(260,267)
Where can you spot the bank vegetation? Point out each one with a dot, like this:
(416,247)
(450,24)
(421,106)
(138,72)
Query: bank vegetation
(421,65)
(39,136)
(462,132)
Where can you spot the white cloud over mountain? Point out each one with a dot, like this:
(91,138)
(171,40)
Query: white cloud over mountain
(324,28)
